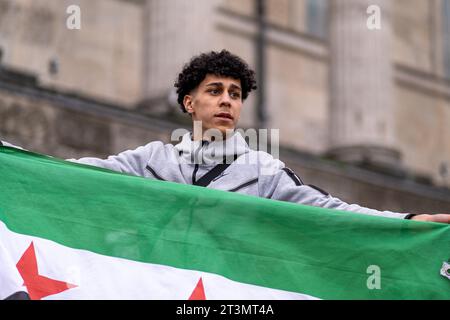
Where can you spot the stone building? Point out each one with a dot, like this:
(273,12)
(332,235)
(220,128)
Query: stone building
(363,110)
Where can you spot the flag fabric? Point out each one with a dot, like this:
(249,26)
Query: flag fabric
(11,283)
(70,231)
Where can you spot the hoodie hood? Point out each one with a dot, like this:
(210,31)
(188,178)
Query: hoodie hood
(211,153)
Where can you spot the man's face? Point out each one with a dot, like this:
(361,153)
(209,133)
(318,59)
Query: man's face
(216,102)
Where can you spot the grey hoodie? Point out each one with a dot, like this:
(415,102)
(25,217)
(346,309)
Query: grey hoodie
(254,173)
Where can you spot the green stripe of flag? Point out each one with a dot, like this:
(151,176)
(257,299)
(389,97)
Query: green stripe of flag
(319,252)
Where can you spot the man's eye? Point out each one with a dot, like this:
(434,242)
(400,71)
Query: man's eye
(214,91)
(235,95)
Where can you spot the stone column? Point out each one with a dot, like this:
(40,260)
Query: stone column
(174,31)
(362,85)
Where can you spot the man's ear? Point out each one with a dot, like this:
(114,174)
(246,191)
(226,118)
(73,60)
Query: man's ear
(188,104)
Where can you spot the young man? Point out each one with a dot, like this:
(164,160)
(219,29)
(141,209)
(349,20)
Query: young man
(212,88)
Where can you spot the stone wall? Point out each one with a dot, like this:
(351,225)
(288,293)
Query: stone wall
(102,60)
(67,127)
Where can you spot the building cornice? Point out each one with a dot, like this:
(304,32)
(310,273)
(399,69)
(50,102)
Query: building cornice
(427,83)
(246,26)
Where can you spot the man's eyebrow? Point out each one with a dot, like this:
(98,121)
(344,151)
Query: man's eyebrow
(215,84)
(220,84)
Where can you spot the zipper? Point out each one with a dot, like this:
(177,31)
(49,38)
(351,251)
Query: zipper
(154,173)
(249,183)
(194,179)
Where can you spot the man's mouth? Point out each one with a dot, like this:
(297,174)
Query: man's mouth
(224,116)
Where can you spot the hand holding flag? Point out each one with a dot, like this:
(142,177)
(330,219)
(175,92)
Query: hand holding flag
(441,218)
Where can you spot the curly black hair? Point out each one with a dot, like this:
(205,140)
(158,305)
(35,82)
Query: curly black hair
(223,64)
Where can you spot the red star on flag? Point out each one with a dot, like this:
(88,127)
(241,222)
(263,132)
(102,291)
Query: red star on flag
(199,292)
(38,286)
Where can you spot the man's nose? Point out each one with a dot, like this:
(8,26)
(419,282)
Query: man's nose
(225,99)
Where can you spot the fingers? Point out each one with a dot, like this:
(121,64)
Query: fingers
(442,218)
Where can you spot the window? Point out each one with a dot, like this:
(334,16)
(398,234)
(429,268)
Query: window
(317,18)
